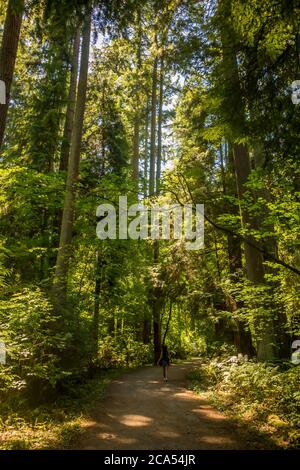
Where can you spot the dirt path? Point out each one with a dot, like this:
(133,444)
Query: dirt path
(142,412)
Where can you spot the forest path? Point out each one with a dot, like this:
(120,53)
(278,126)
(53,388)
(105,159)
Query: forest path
(140,411)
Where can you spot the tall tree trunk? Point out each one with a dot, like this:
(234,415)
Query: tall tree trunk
(156,309)
(64,252)
(68,127)
(234,244)
(146,333)
(254,259)
(235,107)
(69,122)
(153,128)
(156,297)
(136,149)
(146,156)
(136,126)
(283,339)
(242,334)
(147,320)
(95,332)
(160,119)
(8,53)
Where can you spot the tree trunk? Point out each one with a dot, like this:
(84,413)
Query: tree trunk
(9,47)
(155,300)
(242,334)
(153,128)
(69,121)
(146,156)
(156,309)
(136,126)
(67,136)
(160,119)
(64,252)
(236,115)
(147,320)
(283,339)
(146,333)
(136,149)
(95,332)
(254,259)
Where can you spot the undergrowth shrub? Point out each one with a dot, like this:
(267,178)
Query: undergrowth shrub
(32,343)
(123,352)
(265,394)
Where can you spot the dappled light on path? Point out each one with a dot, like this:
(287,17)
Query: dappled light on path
(135,420)
(142,412)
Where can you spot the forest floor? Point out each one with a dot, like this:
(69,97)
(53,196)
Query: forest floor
(140,411)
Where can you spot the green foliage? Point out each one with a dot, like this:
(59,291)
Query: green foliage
(123,351)
(57,425)
(263,395)
(32,341)
(29,204)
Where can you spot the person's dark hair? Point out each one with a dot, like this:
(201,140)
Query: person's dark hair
(165,350)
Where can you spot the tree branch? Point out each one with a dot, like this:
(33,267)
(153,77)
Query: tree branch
(267,256)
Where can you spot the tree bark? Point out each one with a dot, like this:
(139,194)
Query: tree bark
(64,252)
(159,130)
(136,127)
(136,149)
(156,297)
(146,156)
(236,114)
(8,54)
(241,334)
(156,309)
(95,332)
(153,128)
(283,339)
(68,127)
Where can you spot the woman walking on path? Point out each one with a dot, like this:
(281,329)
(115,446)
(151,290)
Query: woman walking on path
(164,361)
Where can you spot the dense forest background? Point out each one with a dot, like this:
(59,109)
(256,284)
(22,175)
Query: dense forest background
(178,101)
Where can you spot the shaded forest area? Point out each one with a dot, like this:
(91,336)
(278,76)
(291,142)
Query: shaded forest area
(167,102)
